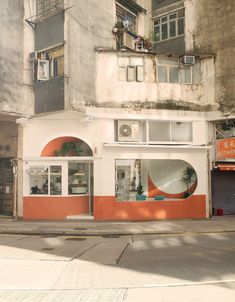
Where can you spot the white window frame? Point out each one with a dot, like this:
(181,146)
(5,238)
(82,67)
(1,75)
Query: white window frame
(144,128)
(128,64)
(168,66)
(160,21)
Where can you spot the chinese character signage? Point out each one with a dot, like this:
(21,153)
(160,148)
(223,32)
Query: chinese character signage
(225,148)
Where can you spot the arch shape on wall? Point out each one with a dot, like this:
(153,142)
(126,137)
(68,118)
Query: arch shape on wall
(66,146)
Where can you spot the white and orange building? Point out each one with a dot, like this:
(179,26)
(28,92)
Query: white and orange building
(114,116)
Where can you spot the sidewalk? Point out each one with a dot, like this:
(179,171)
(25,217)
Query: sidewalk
(117,228)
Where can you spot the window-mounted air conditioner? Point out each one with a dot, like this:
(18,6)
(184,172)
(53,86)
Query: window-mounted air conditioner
(33,56)
(188,60)
(128,131)
(126,41)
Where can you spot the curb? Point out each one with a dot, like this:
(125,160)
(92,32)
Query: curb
(110,234)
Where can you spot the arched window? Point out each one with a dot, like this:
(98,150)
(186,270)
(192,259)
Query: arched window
(66,146)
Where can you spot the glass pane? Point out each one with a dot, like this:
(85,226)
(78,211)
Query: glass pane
(172,29)
(164,28)
(170,179)
(127,179)
(168,61)
(136,61)
(180,26)
(55,180)
(162,74)
(186,75)
(156,33)
(173,75)
(181,131)
(122,73)
(159,131)
(164,19)
(173,16)
(181,13)
(38,179)
(77,178)
(156,22)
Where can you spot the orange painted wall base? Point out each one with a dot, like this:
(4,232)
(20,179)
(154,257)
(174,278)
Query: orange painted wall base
(54,207)
(107,208)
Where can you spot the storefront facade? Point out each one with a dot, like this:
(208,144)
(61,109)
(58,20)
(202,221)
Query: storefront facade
(87,171)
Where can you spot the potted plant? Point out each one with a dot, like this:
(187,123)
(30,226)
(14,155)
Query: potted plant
(187,178)
(140,195)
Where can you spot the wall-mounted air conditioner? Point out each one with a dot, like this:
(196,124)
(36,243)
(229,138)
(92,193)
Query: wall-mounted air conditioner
(33,56)
(128,131)
(187,60)
(126,41)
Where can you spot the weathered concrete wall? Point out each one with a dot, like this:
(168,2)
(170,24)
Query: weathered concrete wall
(110,91)
(11,56)
(88,25)
(8,139)
(215,33)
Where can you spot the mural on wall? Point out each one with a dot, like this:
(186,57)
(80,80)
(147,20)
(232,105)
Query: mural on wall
(171,178)
(156,179)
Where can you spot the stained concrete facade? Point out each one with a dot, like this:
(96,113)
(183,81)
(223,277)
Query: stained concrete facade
(88,25)
(215,32)
(14,88)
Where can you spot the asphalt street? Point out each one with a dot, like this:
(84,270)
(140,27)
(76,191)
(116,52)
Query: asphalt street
(176,267)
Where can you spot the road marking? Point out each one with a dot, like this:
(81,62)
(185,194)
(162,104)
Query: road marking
(189,283)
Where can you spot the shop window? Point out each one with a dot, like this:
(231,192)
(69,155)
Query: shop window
(131,69)
(154,179)
(45,180)
(77,178)
(169,26)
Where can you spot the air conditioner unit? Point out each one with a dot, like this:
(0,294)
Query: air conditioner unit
(33,56)
(188,60)
(127,41)
(128,131)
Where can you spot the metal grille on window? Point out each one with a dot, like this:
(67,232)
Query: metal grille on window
(47,8)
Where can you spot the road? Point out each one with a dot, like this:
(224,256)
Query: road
(129,268)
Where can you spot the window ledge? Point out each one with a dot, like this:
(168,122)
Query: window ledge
(146,145)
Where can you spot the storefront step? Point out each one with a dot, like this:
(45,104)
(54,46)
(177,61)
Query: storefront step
(81,216)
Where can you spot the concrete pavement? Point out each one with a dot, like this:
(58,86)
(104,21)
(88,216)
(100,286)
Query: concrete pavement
(117,228)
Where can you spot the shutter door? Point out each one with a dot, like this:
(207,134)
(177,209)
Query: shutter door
(223,190)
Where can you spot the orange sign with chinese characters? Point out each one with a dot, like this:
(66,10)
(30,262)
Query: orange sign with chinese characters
(225,148)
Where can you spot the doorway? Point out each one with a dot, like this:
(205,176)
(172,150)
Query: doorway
(6,187)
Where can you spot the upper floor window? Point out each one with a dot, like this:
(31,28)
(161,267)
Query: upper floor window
(169,26)
(47,8)
(126,18)
(131,69)
(169,71)
(49,64)
(154,132)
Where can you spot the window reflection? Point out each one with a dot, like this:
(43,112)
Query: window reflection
(154,179)
(78,178)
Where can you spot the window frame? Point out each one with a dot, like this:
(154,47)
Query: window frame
(165,19)
(124,69)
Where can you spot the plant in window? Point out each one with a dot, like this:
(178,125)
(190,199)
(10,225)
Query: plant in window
(69,149)
(140,195)
(118,28)
(187,178)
